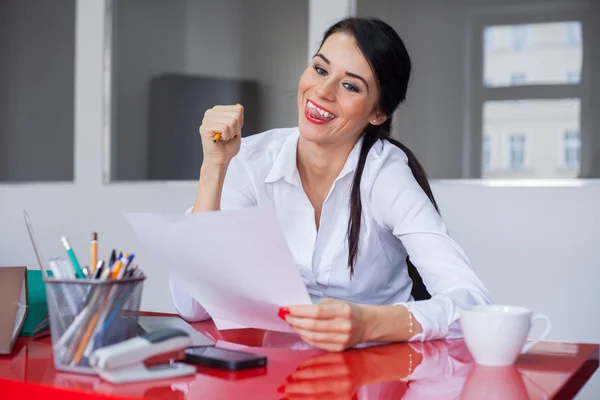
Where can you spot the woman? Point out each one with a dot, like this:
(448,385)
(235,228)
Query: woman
(353,203)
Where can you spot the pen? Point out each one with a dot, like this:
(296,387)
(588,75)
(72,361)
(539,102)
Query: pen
(123,273)
(98,271)
(71,254)
(216,137)
(93,252)
(114,272)
(85,318)
(113,256)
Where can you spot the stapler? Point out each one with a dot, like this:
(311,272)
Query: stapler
(142,358)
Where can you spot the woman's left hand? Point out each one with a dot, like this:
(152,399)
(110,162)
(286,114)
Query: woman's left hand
(332,325)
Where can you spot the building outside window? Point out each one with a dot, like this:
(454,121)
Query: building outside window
(571,150)
(519,36)
(518,78)
(573,33)
(486,155)
(516,145)
(531,85)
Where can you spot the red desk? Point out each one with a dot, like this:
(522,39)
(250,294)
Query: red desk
(438,370)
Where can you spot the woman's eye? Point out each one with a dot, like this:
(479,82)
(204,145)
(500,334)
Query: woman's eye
(320,71)
(350,87)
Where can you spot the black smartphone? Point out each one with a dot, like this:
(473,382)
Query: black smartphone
(231,360)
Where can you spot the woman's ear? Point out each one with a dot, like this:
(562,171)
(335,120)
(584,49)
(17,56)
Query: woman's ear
(378,119)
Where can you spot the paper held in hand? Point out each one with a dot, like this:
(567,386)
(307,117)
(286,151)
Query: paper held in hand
(235,263)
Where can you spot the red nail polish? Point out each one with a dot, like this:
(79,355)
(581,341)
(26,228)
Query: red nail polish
(281,389)
(283,312)
(289,379)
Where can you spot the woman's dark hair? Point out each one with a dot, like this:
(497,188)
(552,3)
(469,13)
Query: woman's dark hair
(391,65)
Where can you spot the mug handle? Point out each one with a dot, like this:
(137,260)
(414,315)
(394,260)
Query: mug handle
(538,316)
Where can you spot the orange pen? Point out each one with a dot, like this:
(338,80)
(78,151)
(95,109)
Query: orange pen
(216,137)
(114,272)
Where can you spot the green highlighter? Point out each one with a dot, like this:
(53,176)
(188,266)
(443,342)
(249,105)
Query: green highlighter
(37,308)
(71,254)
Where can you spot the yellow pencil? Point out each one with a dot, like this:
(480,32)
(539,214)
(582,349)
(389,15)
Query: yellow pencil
(216,137)
(86,338)
(94,253)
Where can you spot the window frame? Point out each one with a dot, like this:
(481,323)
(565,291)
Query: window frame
(477,93)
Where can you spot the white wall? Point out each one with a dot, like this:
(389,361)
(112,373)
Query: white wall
(534,246)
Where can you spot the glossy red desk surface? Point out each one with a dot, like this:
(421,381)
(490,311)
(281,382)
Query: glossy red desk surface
(440,370)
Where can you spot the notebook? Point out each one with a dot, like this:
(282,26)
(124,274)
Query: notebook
(37,319)
(13,305)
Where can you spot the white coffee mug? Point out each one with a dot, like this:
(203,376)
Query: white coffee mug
(496,334)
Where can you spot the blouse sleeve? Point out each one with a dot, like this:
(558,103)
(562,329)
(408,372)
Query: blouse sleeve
(404,208)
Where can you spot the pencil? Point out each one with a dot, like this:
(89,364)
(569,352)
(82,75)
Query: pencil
(94,253)
(100,298)
(86,337)
(216,137)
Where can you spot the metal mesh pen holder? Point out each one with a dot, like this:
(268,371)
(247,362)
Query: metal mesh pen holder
(86,315)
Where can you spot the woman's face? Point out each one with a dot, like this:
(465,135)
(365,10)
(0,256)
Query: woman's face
(337,93)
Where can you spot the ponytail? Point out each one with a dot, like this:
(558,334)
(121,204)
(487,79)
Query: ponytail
(372,134)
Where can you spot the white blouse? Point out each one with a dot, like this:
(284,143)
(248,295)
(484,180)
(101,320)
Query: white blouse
(398,219)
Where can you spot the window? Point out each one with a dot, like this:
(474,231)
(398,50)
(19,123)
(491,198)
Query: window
(573,76)
(519,36)
(37,81)
(486,153)
(173,60)
(517,142)
(517,78)
(531,94)
(573,33)
(571,150)
(545,60)
(488,39)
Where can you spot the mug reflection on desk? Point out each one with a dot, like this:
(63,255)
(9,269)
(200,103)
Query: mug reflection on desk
(485,382)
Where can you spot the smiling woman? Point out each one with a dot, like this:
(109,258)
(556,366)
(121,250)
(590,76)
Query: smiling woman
(354,204)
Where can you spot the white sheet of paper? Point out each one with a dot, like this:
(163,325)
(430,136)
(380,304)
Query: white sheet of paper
(235,263)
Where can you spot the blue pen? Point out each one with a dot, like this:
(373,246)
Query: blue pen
(71,254)
(117,307)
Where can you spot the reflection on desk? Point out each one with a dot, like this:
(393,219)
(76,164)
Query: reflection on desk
(437,370)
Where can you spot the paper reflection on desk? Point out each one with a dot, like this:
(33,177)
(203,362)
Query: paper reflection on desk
(433,370)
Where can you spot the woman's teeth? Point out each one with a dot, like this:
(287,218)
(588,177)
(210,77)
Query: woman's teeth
(323,113)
